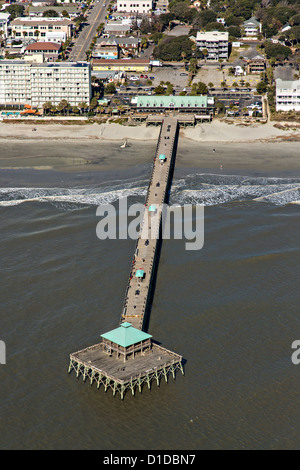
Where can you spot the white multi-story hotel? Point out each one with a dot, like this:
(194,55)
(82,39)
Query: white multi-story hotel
(22,82)
(135,6)
(287,95)
(215,43)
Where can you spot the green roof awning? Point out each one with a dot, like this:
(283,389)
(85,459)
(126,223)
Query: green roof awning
(162,156)
(126,335)
(139,273)
(152,208)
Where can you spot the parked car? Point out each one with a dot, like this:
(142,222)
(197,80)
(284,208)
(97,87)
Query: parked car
(133,78)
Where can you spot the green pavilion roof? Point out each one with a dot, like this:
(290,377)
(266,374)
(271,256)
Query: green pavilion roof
(158,101)
(126,335)
(162,156)
(152,208)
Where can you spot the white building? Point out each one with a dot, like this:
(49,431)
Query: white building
(4,20)
(135,6)
(39,27)
(287,95)
(251,27)
(22,82)
(215,43)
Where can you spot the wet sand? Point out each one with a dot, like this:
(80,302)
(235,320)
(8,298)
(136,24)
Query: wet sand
(54,151)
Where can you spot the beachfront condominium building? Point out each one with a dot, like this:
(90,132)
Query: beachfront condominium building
(287,95)
(214,44)
(22,82)
(135,6)
(39,27)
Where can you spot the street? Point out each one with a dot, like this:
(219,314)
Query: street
(95,17)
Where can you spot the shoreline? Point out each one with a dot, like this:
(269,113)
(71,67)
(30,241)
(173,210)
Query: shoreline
(216,131)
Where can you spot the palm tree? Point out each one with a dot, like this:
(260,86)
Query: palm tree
(47,106)
(82,106)
(63,106)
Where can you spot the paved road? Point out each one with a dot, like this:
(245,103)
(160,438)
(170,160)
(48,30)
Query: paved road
(88,32)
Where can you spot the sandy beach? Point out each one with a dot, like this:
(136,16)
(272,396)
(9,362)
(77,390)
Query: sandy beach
(95,148)
(216,131)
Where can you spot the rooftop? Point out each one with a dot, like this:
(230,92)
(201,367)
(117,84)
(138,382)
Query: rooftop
(126,335)
(43,46)
(287,84)
(45,21)
(175,101)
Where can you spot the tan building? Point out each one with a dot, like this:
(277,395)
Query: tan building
(121,65)
(50,50)
(39,27)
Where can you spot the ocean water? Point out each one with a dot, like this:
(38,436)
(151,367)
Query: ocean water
(230,309)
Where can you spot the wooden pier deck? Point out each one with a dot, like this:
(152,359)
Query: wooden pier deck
(138,288)
(144,361)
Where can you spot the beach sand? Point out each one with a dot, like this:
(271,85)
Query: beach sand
(216,131)
(255,149)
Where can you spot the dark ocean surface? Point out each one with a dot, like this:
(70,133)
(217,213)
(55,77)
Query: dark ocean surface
(230,309)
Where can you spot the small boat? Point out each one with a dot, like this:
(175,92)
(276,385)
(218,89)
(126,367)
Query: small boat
(124,145)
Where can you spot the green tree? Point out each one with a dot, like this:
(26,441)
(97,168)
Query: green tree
(110,88)
(15,11)
(50,14)
(47,107)
(159,90)
(261,87)
(82,106)
(276,51)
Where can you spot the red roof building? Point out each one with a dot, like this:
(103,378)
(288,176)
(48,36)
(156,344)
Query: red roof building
(50,50)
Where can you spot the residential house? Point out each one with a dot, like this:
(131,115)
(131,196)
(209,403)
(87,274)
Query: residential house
(256,65)
(128,45)
(116,28)
(287,95)
(285,28)
(106,48)
(214,42)
(72,9)
(251,27)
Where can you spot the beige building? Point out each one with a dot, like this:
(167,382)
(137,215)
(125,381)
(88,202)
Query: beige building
(23,82)
(135,6)
(39,27)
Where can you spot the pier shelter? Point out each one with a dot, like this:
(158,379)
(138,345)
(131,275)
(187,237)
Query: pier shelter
(126,341)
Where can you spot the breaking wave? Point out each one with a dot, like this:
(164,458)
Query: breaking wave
(206,189)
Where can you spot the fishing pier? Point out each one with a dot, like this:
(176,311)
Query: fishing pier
(128,357)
